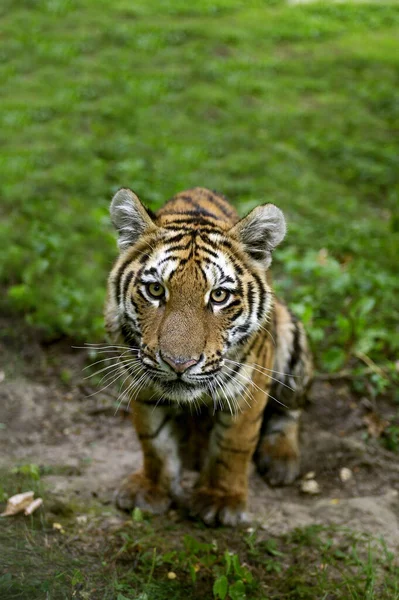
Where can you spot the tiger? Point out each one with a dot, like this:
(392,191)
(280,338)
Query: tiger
(206,347)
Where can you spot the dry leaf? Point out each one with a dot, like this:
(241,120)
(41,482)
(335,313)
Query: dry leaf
(375,425)
(18,503)
(33,506)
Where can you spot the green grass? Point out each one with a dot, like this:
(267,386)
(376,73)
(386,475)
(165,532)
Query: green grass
(259,100)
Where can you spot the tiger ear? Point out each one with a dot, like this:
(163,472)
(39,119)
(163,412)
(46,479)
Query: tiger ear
(129,217)
(261,231)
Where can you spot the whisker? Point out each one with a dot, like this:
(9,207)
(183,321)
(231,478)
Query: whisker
(108,376)
(215,399)
(133,386)
(105,387)
(265,368)
(268,332)
(105,359)
(137,388)
(131,369)
(232,379)
(103,347)
(258,388)
(118,351)
(225,394)
(262,373)
(211,389)
(125,361)
(122,393)
(159,400)
(110,379)
(273,371)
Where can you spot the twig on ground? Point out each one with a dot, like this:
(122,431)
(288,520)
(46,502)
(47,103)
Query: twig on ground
(370,363)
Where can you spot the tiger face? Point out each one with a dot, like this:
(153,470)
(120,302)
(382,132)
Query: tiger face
(186,296)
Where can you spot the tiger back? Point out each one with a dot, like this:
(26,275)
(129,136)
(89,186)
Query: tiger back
(200,331)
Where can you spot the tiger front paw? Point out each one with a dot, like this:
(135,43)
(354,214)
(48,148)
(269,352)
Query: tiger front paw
(138,491)
(277,456)
(215,507)
(279,471)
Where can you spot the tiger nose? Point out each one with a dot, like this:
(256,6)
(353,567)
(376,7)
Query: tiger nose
(178,363)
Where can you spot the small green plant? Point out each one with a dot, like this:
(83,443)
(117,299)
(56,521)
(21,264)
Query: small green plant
(30,470)
(66,376)
(137,515)
(236,580)
(266,553)
(391,437)
(195,557)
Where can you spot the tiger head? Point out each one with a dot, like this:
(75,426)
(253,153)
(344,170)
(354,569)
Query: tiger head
(187,298)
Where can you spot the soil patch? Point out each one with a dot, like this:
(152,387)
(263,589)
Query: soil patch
(50,419)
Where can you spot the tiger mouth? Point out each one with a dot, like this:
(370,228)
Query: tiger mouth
(191,379)
(180,391)
(194,381)
(177,384)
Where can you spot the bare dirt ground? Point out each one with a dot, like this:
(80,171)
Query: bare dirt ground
(49,420)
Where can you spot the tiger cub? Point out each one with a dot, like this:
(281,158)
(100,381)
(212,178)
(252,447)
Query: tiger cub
(199,329)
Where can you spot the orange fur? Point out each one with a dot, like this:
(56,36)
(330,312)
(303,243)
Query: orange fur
(227,358)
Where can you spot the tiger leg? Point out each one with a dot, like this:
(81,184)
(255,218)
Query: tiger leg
(158,482)
(278,454)
(220,495)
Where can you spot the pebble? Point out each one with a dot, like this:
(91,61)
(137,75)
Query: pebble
(310,486)
(81,519)
(250,530)
(345,474)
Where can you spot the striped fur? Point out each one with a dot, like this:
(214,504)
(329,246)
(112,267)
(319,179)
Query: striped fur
(190,304)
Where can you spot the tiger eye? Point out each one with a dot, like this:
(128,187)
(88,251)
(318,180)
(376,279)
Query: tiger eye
(155,290)
(219,295)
